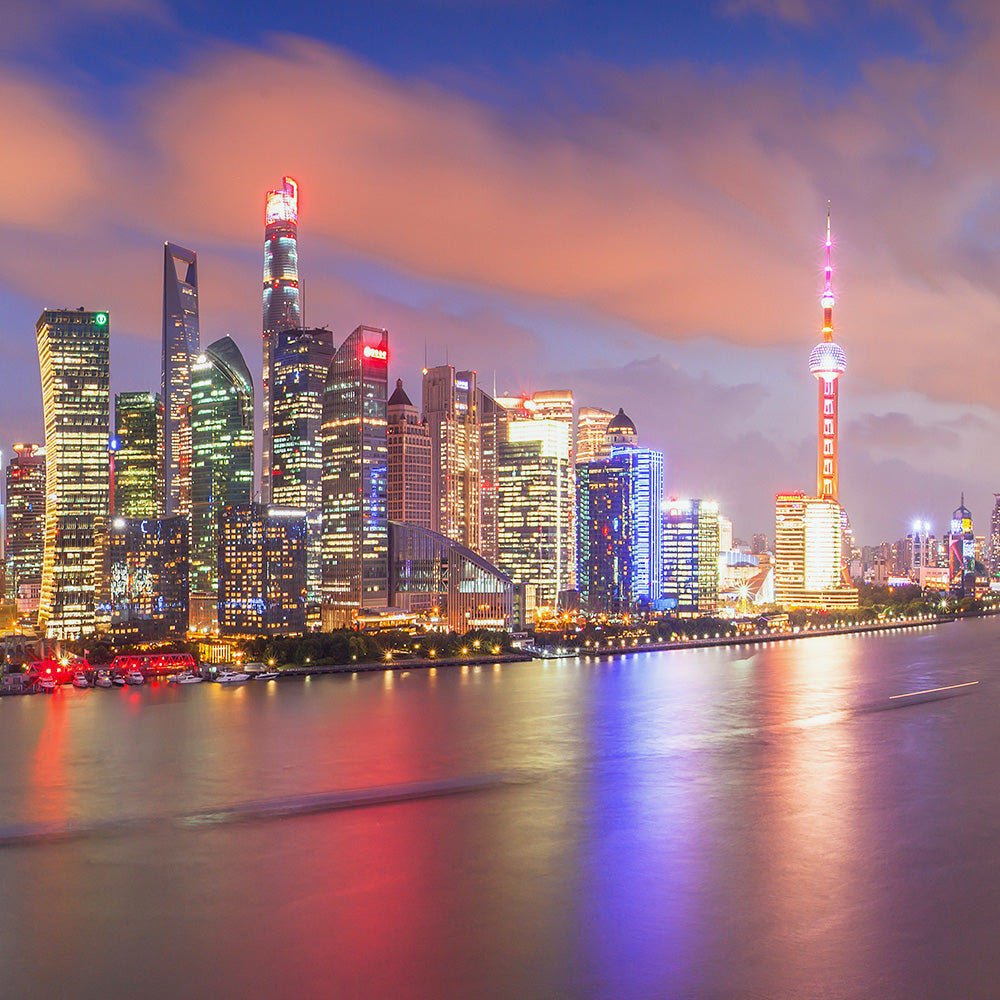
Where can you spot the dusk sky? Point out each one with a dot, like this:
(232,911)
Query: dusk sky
(623,199)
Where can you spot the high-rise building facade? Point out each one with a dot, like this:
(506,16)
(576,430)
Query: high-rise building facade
(282,302)
(620,432)
(74,358)
(492,427)
(180,348)
(535,478)
(691,557)
(222,450)
(450,407)
(807,548)
(262,570)
(642,469)
(138,454)
(591,430)
(148,585)
(408,493)
(301,360)
(961,553)
(355,527)
(25,523)
(995,539)
(604,559)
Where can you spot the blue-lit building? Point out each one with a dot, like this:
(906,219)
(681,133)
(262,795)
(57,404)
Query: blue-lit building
(262,570)
(642,471)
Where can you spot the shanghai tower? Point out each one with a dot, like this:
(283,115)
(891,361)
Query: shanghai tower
(282,309)
(180,347)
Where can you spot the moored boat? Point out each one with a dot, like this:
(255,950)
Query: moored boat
(102,679)
(266,675)
(47,684)
(230,677)
(80,680)
(134,677)
(187,677)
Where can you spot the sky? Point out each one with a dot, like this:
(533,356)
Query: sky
(624,199)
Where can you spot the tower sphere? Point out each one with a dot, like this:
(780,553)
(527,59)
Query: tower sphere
(827,360)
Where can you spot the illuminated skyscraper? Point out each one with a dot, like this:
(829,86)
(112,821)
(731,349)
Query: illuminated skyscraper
(642,470)
(74,357)
(535,478)
(222,450)
(282,306)
(591,428)
(450,407)
(604,561)
(994,539)
(25,524)
(262,570)
(148,585)
(691,557)
(138,454)
(301,362)
(962,553)
(827,362)
(180,347)
(620,432)
(408,496)
(355,527)
(492,424)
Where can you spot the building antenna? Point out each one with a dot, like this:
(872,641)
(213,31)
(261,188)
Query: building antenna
(302,303)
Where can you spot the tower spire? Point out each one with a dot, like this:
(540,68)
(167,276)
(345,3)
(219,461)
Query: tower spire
(827,299)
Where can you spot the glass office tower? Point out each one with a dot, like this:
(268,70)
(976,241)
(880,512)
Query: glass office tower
(180,348)
(25,523)
(355,455)
(222,450)
(138,454)
(282,306)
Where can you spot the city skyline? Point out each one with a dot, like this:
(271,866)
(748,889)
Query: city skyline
(616,313)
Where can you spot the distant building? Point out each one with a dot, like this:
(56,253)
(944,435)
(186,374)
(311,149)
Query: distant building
(758,543)
(262,570)
(535,479)
(74,358)
(450,408)
(604,559)
(591,429)
(222,450)
(408,494)
(691,557)
(642,469)
(807,554)
(355,473)
(148,587)
(138,452)
(179,350)
(961,553)
(25,521)
(994,562)
(492,428)
(281,299)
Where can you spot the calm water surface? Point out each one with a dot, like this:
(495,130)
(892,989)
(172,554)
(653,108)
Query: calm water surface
(760,821)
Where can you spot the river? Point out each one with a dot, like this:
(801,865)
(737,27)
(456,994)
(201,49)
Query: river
(738,822)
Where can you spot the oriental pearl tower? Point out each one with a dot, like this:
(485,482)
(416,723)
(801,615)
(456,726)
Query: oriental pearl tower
(827,362)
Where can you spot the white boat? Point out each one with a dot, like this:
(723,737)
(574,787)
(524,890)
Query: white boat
(47,684)
(80,680)
(135,677)
(266,675)
(187,677)
(230,677)
(103,679)
(118,680)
